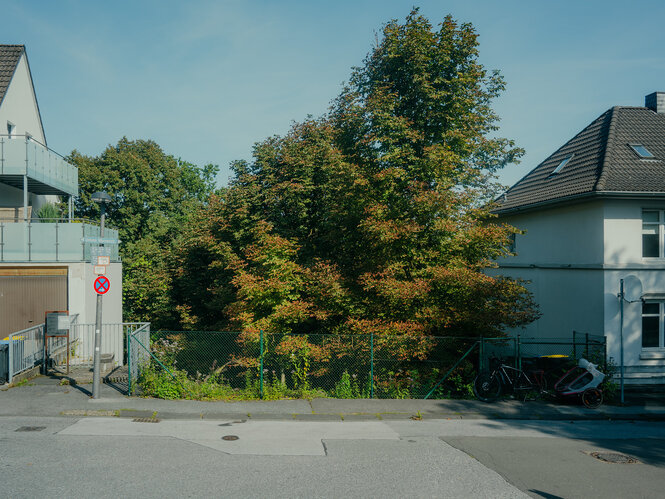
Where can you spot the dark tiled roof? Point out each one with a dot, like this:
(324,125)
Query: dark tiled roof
(602,161)
(9,57)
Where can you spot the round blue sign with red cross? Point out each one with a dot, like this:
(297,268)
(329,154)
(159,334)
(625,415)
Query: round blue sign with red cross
(102,284)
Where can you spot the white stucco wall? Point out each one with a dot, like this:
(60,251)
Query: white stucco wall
(11,197)
(82,296)
(20,105)
(575,258)
(653,282)
(623,232)
(561,236)
(623,258)
(569,300)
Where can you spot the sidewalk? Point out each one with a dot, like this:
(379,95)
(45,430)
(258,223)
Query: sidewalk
(45,396)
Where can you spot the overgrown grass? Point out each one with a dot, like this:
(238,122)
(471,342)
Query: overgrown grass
(156,382)
(173,383)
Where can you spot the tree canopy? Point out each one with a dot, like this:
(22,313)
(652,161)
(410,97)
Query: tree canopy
(153,196)
(373,217)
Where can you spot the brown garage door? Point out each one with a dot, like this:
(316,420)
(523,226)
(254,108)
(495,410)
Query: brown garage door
(26,293)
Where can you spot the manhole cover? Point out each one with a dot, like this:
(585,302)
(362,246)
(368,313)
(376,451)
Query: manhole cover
(614,457)
(145,420)
(229,437)
(31,428)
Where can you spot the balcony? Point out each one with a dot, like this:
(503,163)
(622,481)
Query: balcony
(54,241)
(46,171)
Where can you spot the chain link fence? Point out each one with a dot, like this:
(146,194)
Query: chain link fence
(206,365)
(554,356)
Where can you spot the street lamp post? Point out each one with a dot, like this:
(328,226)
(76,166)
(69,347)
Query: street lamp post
(632,295)
(622,297)
(102,199)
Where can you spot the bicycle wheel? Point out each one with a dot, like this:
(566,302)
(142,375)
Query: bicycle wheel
(592,398)
(487,387)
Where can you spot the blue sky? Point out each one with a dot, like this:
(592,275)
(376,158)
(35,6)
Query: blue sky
(207,79)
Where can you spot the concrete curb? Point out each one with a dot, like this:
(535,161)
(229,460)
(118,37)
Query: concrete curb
(46,397)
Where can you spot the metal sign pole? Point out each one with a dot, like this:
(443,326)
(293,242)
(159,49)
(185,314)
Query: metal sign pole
(98,329)
(621,298)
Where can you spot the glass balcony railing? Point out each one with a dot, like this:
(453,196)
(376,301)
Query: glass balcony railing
(47,171)
(56,241)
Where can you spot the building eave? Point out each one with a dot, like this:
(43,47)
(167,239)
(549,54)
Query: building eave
(578,198)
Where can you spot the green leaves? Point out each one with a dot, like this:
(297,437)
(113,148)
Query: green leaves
(154,196)
(375,217)
(376,214)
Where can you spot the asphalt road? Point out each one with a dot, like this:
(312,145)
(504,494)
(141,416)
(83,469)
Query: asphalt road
(115,457)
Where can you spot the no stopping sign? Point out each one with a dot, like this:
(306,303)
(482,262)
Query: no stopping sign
(102,285)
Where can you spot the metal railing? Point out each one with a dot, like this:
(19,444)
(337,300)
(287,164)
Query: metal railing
(23,155)
(53,241)
(26,350)
(26,347)
(82,341)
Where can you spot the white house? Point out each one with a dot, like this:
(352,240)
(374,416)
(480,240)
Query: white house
(593,214)
(44,265)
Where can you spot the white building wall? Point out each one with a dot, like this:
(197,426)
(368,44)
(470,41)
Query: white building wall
(82,296)
(574,258)
(569,300)
(653,282)
(568,235)
(623,258)
(20,105)
(10,197)
(560,256)
(623,232)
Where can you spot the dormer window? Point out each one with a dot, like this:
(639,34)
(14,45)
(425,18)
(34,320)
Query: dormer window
(563,163)
(641,151)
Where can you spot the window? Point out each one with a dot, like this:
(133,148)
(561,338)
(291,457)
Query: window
(563,163)
(641,151)
(11,129)
(652,234)
(652,324)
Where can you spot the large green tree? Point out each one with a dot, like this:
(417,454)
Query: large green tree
(153,196)
(385,200)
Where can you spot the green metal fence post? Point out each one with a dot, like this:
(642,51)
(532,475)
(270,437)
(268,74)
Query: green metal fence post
(518,354)
(586,348)
(481,355)
(129,363)
(574,346)
(371,365)
(261,364)
(605,353)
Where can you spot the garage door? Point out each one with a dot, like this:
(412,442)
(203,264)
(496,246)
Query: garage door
(26,293)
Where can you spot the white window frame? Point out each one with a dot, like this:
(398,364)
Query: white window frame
(660,232)
(661,325)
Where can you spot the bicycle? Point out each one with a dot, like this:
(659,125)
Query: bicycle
(488,386)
